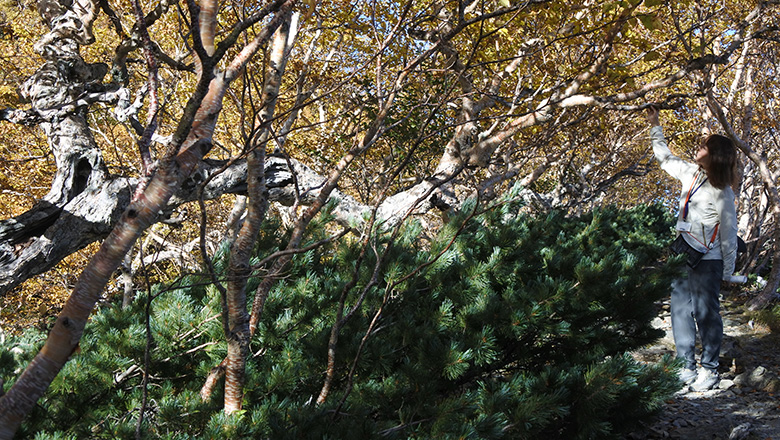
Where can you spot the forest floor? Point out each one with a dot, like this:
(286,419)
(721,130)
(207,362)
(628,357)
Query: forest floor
(744,407)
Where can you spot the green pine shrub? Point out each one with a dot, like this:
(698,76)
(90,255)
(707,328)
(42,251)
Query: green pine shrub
(518,329)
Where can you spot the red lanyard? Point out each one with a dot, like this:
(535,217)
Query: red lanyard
(690,193)
(685,209)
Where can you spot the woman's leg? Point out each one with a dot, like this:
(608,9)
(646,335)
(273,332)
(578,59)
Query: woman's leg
(683,324)
(705,292)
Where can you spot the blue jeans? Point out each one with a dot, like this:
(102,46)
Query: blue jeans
(695,303)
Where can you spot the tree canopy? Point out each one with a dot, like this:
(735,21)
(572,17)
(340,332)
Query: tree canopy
(161,132)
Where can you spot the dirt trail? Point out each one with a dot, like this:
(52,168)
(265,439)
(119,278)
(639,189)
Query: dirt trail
(745,406)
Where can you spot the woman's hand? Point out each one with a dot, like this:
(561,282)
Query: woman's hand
(652,116)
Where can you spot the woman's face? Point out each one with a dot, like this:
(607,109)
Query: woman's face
(702,156)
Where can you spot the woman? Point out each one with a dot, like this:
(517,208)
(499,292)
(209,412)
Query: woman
(708,223)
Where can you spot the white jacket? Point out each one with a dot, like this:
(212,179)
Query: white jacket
(708,206)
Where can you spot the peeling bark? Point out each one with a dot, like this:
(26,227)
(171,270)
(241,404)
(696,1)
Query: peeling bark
(34,242)
(191,142)
(239,269)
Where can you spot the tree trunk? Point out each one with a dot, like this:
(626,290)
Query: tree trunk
(66,333)
(769,292)
(239,334)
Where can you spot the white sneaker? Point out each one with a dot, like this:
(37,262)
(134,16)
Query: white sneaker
(687,376)
(706,380)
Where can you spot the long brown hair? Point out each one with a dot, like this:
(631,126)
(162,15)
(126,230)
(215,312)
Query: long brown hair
(722,169)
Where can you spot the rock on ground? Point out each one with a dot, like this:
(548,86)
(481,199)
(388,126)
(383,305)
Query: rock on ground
(743,407)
